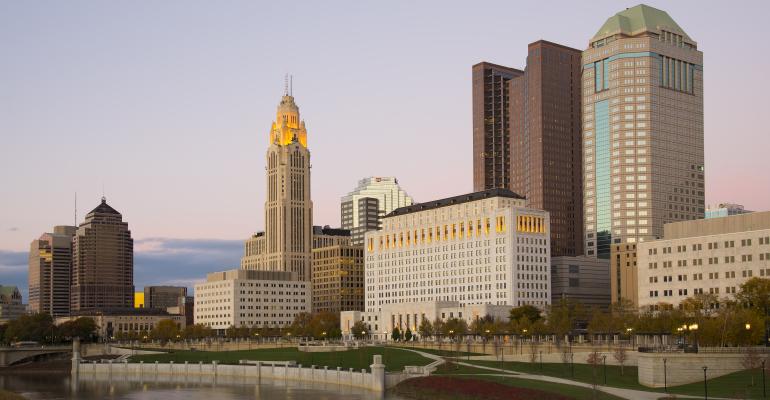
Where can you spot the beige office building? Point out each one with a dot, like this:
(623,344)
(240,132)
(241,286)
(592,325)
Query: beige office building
(50,267)
(712,255)
(285,245)
(479,248)
(642,131)
(249,298)
(125,323)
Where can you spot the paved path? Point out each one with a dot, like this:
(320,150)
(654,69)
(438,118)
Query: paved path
(630,394)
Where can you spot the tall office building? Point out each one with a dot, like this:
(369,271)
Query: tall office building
(491,126)
(642,132)
(546,143)
(373,198)
(50,267)
(286,243)
(102,262)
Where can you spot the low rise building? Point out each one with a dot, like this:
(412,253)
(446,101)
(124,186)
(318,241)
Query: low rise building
(11,306)
(163,297)
(410,316)
(582,279)
(713,255)
(250,298)
(725,210)
(119,323)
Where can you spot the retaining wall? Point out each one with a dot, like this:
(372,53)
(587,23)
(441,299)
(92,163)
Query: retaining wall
(218,373)
(683,368)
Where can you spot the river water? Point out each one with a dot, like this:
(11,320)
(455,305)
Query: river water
(52,387)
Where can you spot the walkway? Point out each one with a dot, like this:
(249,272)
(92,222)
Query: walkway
(630,394)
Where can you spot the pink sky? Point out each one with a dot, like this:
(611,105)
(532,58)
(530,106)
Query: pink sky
(168,104)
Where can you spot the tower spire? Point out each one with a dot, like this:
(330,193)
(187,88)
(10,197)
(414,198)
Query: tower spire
(291,85)
(286,85)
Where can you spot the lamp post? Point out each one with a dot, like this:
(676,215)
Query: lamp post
(705,384)
(694,328)
(452,338)
(665,377)
(572,363)
(630,338)
(541,360)
(323,334)
(521,339)
(764,388)
(604,361)
(486,337)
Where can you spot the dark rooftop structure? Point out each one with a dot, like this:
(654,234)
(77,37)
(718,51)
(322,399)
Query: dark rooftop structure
(326,230)
(465,198)
(104,208)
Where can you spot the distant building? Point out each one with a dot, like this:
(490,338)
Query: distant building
(583,279)
(712,256)
(624,273)
(163,297)
(373,198)
(285,244)
(138,299)
(11,306)
(50,267)
(492,125)
(102,262)
(338,273)
(251,298)
(125,322)
(725,210)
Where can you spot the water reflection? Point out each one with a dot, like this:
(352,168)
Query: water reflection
(59,387)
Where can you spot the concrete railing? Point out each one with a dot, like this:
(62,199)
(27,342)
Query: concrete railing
(215,372)
(659,369)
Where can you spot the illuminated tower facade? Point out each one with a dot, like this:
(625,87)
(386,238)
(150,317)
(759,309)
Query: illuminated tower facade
(286,243)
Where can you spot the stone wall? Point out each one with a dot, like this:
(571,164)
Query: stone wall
(218,373)
(683,368)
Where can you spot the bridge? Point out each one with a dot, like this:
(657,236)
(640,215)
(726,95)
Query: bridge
(14,355)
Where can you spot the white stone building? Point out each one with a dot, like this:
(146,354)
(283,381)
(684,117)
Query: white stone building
(250,298)
(712,255)
(484,248)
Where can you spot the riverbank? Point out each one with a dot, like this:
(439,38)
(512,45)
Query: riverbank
(6,395)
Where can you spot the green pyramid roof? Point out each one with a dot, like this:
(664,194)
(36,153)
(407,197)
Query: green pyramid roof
(638,19)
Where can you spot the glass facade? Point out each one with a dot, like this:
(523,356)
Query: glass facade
(602,179)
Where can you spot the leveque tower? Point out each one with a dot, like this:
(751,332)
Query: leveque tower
(286,243)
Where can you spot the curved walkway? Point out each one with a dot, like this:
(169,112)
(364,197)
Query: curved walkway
(630,394)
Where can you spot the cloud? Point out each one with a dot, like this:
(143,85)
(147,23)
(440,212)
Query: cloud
(13,229)
(157,261)
(182,262)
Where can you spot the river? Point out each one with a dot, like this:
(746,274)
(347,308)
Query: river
(55,386)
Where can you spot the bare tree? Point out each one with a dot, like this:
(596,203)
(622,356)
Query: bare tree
(532,352)
(621,356)
(594,359)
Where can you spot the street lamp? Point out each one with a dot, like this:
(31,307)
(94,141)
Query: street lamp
(748,326)
(705,384)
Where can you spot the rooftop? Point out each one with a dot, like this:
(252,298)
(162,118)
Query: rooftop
(104,208)
(635,20)
(449,201)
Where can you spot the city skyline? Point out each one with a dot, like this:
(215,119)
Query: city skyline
(165,199)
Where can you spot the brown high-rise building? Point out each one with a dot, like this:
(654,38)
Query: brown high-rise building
(50,266)
(545,128)
(102,262)
(491,126)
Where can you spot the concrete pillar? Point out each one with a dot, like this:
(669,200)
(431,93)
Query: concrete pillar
(259,370)
(75,372)
(378,374)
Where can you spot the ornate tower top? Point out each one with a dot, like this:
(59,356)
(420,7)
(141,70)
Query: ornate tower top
(288,127)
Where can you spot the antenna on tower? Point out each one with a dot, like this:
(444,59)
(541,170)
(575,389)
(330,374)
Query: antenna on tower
(291,85)
(76,208)
(286,85)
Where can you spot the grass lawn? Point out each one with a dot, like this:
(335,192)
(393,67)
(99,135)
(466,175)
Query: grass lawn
(6,395)
(735,385)
(394,359)
(492,387)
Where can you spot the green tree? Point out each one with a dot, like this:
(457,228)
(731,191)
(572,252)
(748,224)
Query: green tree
(455,327)
(396,334)
(563,316)
(83,328)
(325,322)
(755,293)
(165,330)
(360,330)
(197,331)
(438,327)
(530,312)
(408,334)
(425,329)
(301,326)
(36,327)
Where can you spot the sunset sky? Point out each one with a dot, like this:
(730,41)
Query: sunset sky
(167,106)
